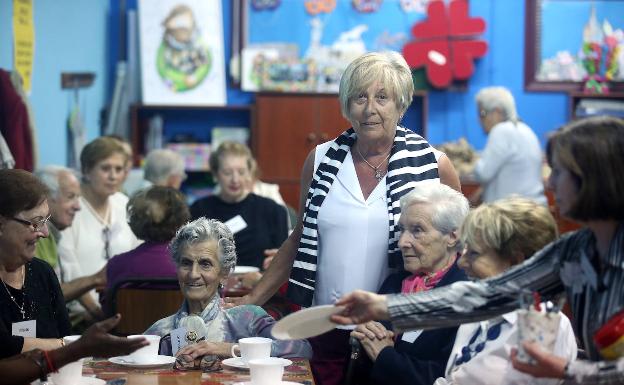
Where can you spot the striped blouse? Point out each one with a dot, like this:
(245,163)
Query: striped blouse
(562,268)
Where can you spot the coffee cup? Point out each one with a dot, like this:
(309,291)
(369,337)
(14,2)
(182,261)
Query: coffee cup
(252,348)
(68,374)
(146,354)
(266,371)
(536,326)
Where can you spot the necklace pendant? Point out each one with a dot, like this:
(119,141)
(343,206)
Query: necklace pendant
(378,175)
(23,313)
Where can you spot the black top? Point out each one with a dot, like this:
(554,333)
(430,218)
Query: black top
(44,302)
(413,363)
(267,224)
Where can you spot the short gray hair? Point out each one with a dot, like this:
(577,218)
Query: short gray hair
(448,207)
(202,230)
(491,98)
(161,163)
(50,176)
(387,67)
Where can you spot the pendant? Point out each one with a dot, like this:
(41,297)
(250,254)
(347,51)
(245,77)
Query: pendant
(23,313)
(378,175)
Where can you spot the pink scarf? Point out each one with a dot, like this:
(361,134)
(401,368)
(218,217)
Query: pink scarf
(422,282)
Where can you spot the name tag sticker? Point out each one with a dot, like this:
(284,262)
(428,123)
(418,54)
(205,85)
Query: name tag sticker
(236,224)
(178,340)
(24,329)
(411,336)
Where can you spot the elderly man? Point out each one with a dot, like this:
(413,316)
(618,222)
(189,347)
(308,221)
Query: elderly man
(162,168)
(511,162)
(63,202)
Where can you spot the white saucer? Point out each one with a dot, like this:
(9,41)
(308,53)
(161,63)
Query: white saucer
(238,363)
(87,381)
(245,269)
(128,361)
(281,383)
(306,323)
(91,381)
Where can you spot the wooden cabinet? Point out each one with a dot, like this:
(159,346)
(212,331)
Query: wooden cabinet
(287,127)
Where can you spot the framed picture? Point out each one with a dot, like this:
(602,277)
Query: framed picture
(182,58)
(565,40)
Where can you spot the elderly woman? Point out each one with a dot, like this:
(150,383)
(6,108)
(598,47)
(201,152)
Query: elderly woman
(347,234)
(431,215)
(32,309)
(498,236)
(154,215)
(100,229)
(259,224)
(205,255)
(587,265)
(511,162)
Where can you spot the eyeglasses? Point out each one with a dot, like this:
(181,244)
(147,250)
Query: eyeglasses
(37,225)
(106,234)
(483,113)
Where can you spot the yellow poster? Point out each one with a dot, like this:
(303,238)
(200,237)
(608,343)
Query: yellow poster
(24,40)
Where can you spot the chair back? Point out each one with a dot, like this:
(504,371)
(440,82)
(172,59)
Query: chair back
(143,301)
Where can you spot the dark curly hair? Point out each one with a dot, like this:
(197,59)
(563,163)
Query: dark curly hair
(156,213)
(21,191)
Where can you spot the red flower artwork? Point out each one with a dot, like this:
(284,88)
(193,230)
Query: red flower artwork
(446,43)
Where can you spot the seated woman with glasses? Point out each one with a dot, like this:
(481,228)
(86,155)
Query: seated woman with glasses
(498,236)
(32,309)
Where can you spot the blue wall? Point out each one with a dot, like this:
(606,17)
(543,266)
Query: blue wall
(70,36)
(74,35)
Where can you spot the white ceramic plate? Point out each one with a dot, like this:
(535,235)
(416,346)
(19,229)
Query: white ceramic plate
(281,383)
(306,323)
(238,363)
(128,361)
(245,269)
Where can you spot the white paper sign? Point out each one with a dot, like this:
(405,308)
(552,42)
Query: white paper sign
(236,224)
(411,336)
(178,340)
(24,329)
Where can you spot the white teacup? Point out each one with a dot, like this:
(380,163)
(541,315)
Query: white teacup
(146,354)
(252,348)
(68,374)
(266,371)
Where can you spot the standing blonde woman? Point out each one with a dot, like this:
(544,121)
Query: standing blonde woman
(347,234)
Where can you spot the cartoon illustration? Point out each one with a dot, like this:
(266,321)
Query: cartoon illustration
(183,59)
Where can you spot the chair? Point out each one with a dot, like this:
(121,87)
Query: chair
(143,301)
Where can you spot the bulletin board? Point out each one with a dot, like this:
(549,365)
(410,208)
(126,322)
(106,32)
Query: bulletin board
(304,45)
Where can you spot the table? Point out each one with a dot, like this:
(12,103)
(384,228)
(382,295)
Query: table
(299,372)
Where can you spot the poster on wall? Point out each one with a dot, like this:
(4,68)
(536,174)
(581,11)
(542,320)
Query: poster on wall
(182,58)
(326,35)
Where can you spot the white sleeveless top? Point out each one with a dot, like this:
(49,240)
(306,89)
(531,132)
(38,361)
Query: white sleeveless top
(353,235)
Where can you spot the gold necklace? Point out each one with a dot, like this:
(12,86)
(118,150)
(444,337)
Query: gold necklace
(378,173)
(21,308)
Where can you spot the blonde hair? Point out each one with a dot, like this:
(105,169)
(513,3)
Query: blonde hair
(230,148)
(388,67)
(515,228)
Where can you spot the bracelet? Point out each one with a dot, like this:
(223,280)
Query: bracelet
(51,367)
(62,341)
(37,356)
